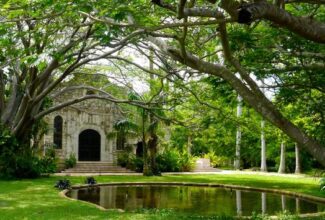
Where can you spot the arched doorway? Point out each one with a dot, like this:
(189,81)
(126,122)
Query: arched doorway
(89,145)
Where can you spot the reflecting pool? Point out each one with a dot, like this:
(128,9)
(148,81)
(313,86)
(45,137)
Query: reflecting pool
(194,199)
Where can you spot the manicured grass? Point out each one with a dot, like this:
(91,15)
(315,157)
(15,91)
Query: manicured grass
(38,199)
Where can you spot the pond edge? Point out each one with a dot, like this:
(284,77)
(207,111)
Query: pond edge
(276,191)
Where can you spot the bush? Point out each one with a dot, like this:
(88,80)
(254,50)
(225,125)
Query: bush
(123,159)
(48,162)
(71,161)
(215,160)
(322,184)
(63,184)
(168,161)
(130,161)
(90,180)
(186,162)
(17,162)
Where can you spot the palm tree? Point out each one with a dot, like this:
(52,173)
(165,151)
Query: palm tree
(124,129)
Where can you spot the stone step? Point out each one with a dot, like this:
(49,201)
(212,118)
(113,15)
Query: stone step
(207,169)
(100,166)
(93,162)
(96,171)
(96,167)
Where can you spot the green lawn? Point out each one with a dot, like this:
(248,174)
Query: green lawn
(38,199)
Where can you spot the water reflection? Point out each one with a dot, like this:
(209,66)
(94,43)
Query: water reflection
(238,202)
(191,199)
(263,202)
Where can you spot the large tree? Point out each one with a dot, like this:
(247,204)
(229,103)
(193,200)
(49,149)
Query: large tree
(44,43)
(204,28)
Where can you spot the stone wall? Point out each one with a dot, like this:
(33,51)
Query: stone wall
(98,115)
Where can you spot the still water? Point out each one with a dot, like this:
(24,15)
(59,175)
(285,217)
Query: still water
(194,199)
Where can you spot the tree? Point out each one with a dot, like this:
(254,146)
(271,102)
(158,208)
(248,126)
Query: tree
(42,45)
(297,154)
(246,87)
(238,134)
(282,167)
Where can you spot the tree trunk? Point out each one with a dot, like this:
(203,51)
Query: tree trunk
(153,147)
(298,166)
(263,148)
(238,134)
(282,167)
(146,169)
(189,144)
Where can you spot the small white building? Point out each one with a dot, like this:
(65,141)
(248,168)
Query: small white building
(82,129)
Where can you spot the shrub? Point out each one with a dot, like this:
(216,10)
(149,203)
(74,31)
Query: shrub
(71,161)
(123,159)
(90,180)
(130,161)
(168,161)
(48,162)
(322,184)
(63,184)
(135,164)
(186,162)
(215,160)
(17,162)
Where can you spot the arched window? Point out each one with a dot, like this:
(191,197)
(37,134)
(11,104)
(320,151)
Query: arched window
(57,133)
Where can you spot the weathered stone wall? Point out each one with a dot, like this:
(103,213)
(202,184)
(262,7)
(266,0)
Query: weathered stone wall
(98,115)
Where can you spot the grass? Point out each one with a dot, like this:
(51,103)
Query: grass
(38,199)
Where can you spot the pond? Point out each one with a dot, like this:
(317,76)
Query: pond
(198,200)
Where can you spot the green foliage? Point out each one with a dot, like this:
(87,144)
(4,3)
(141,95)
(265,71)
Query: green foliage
(186,162)
(130,161)
(71,161)
(90,180)
(22,163)
(6,139)
(172,161)
(19,161)
(48,163)
(168,161)
(322,184)
(63,184)
(215,160)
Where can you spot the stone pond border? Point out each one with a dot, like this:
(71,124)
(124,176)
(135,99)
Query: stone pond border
(229,186)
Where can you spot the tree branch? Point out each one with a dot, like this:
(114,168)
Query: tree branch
(303,26)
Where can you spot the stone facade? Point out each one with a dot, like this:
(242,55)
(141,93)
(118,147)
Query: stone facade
(79,124)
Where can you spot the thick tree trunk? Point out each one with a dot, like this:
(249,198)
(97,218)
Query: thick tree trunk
(263,148)
(298,166)
(260,104)
(238,133)
(282,167)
